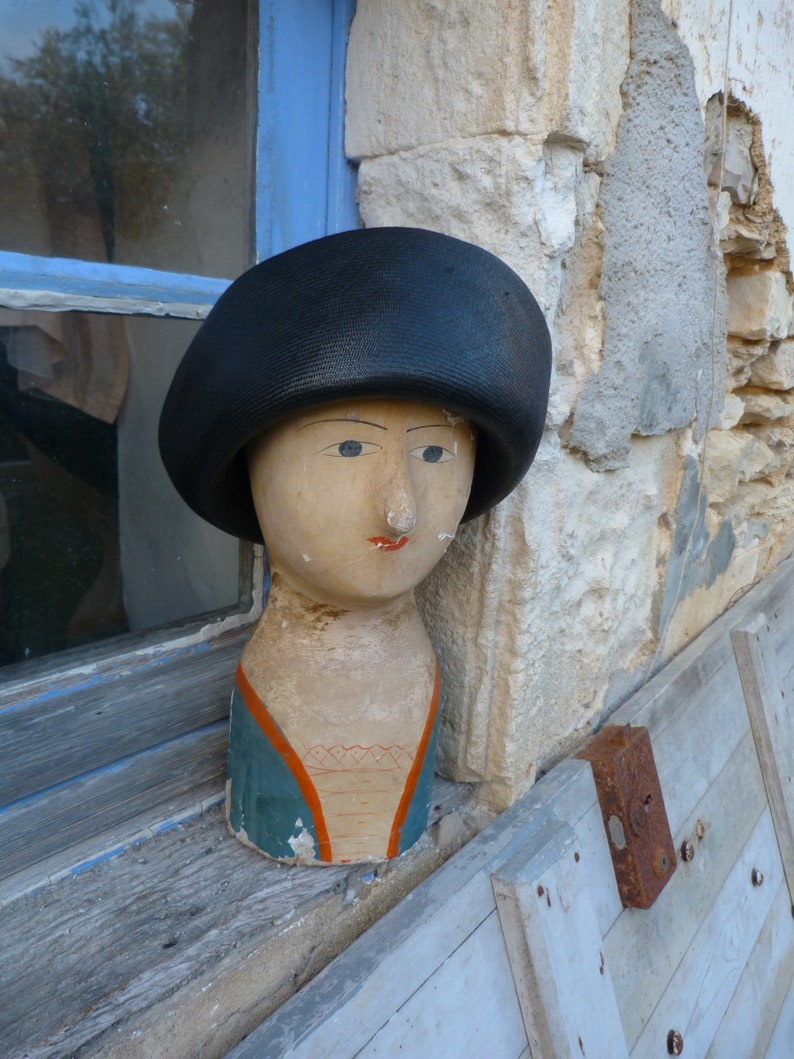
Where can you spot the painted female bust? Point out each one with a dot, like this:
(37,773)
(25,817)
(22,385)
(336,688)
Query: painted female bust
(349,403)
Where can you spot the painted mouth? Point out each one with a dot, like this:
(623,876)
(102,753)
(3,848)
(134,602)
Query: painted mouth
(386,544)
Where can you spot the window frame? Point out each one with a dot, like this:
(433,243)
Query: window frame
(103,743)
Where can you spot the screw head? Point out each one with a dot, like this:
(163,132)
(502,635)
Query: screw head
(757,877)
(687,850)
(675,1043)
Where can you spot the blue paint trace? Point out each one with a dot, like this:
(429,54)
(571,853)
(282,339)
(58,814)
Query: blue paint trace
(92,279)
(305,188)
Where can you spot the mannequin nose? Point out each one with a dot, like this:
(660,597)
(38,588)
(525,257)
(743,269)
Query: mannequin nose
(397,498)
(402,518)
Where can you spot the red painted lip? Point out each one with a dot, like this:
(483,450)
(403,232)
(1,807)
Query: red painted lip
(386,544)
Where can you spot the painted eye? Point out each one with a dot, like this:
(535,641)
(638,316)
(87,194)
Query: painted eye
(350,448)
(432,454)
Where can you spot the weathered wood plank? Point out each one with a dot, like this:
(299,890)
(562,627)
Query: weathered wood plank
(772,724)
(595,849)
(181,944)
(456,1012)
(747,1025)
(32,829)
(77,942)
(85,855)
(780,1044)
(91,721)
(696,720)
(704,982)
(554,946)
(644,948)
(705,698)
(777,603)
(351,1000)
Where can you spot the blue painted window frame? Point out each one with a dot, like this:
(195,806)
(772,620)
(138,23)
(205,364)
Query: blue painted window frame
(303,188)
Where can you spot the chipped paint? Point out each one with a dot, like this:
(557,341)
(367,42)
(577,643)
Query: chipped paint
(302,844)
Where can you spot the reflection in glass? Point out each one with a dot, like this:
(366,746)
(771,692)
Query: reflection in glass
(94,540)
(124,127)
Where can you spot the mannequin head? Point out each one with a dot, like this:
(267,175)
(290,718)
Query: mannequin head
(349,402)
(358,500)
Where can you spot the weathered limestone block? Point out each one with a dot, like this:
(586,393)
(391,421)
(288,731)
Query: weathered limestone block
(747,236)
(703,541)
(720,205)
(702,604)
(762,515)
(739,231)
(512,197)
(775,369)
(732,411)
(759,306)
(734,456)
(778,508)
(579,321)
(732,170)
(761,407)
(540,629)
(778,438)
(424,71)
(741,355)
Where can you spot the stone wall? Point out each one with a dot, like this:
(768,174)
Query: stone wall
(573,139)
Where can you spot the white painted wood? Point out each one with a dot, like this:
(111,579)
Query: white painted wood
(595,849)
(696,718)
(352,1000)
(467,1007)
(772,724)
(781,1046)
(554,944)
(704,981)
(644,948)
(747,1025)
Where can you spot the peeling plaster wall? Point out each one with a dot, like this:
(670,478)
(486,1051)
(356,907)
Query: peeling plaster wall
(662,284)
(753,43)
(573,139)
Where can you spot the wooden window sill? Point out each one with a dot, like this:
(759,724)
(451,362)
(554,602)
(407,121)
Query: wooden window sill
(181,943)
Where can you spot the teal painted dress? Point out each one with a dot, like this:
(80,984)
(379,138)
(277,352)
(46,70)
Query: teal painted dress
(290,807)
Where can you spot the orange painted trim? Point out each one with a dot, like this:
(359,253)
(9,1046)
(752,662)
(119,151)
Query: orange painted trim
(273,733)
(413,776)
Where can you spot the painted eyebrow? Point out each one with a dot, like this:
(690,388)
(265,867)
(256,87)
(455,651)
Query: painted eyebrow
(343,419)
(425,426)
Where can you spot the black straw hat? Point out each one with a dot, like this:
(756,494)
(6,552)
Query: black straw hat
(378,312)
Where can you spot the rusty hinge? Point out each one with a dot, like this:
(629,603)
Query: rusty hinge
(633,811)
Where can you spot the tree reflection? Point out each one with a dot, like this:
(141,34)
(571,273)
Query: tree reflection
(96,120)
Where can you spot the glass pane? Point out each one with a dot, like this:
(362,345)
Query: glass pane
(125,131)
(94,540)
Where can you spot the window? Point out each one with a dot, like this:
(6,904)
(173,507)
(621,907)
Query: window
(146,162)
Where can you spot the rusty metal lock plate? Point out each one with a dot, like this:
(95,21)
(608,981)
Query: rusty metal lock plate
(633,811)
